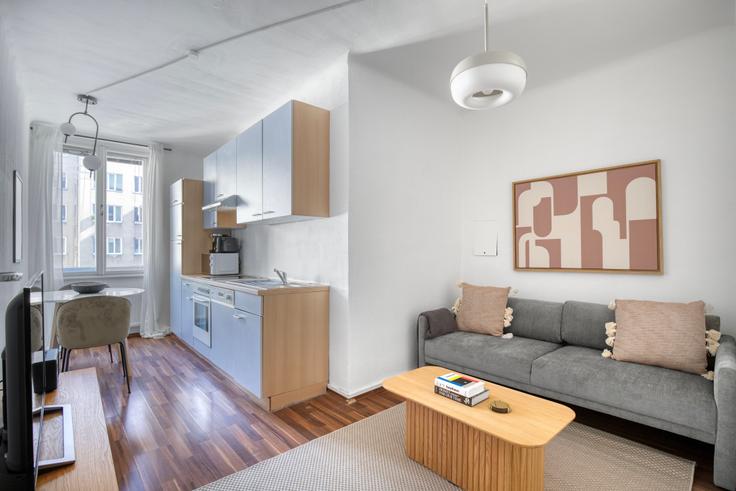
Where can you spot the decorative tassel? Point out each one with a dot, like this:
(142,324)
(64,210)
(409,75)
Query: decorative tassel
(610,341)
(456,306)
(712,346)
(508,317)
(508,335)
(606,353)
(713,334)
(611,329)
(612,305)
(708,375)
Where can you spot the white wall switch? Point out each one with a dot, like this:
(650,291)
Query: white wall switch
(485,238)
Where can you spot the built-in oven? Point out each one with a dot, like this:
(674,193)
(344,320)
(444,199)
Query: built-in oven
(201,330)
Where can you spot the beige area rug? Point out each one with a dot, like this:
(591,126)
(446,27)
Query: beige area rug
(369,455)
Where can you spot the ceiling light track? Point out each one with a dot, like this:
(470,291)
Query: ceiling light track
(195,52)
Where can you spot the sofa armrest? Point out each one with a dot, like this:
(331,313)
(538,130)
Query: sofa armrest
(422,330)
(724,389)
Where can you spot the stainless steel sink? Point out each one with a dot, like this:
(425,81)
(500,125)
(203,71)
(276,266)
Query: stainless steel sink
(264,283)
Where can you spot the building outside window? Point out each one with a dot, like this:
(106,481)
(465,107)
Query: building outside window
(63,246)
(114,246)
(137,246)
(63,181)
(137,184)
(114,214)
(63,213)
(137,214)
(115,182)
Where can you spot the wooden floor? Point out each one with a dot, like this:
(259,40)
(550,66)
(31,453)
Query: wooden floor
(185,424)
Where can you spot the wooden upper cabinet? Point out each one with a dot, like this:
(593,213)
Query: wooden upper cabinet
(296,162)
(225,177)
(250,174)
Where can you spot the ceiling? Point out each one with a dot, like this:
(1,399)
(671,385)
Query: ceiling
(74,46)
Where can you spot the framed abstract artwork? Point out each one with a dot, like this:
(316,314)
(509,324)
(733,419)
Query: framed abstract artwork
(601,220)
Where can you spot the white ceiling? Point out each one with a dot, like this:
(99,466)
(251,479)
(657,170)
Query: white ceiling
(67,47)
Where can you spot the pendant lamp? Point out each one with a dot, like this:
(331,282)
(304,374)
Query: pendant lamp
(92,161)
(488,79)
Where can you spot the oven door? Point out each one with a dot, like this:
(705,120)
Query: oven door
(201,328)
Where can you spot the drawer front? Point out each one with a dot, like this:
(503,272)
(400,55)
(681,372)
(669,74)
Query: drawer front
(222,295)
(201,289)
(249,303)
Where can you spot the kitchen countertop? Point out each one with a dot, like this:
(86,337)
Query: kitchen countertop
(222,282)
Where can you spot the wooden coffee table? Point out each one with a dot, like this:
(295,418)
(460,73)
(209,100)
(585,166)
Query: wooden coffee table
(474,447)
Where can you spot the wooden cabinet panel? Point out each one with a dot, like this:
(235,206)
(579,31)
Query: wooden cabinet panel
(277,147)
(249,174)
(295,341)
(225,171)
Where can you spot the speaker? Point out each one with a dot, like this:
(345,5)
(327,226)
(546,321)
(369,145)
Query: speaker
(51,369)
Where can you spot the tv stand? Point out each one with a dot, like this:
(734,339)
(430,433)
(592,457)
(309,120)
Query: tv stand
(93,467)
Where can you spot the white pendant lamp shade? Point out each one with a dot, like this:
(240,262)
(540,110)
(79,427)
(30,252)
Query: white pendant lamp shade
(68,129)
(488,79)
(92,162)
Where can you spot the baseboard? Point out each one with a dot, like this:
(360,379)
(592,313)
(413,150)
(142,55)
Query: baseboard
(349,395)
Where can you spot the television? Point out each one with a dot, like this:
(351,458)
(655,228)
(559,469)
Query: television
(22,400)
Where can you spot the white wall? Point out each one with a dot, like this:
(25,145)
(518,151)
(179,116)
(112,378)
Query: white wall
(315,250)
(675,103)
(14,136)
(404,239)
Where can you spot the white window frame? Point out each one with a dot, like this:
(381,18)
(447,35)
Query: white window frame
(63,245)
(115,241)
(99,184)
(138,251)
(115,219)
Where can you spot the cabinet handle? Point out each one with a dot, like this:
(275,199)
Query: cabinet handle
(220,195)
(257,214)
(238,317)
(174,201)
(188,298)
(268,212)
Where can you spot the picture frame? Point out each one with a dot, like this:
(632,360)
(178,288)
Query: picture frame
(603,220)
(17,217)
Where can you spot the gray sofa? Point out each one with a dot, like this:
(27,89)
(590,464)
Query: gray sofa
(556,353)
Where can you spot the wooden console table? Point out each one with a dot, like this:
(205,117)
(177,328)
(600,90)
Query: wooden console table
(93,468)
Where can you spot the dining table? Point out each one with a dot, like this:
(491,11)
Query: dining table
(63,296)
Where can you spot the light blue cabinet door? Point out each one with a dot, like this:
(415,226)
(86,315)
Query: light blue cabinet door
(209,176)
(249,174)
(222,336)
(225,180)
(175,288)
(187,314)
(277,155)
(246,367)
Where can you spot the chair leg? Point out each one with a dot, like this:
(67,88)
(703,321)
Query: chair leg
(109,349)
(124,358)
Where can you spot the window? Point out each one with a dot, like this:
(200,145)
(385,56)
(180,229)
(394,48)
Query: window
(115,182)
(63,246)
(63,213)
(117,190)
(63,181)
(114,246)
(114,214)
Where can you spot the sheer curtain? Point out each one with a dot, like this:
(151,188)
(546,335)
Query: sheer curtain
(154,273)
(44,213)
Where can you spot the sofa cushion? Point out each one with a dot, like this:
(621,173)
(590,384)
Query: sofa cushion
(508,358)
(482,309)
(583,324)
(678,397)
(536,319)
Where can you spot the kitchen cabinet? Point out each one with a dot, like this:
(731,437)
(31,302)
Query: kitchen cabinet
(175,288)
(249,151)
(177,222)
(187,312)
(209,177)
(296,162)
(225,175)
(246,366)
(224,342)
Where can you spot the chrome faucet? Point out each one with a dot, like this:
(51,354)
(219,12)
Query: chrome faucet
(282,275)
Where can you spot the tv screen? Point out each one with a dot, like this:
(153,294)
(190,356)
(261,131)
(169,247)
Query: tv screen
(25,344)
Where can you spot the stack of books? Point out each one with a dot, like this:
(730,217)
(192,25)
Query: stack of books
(461,388)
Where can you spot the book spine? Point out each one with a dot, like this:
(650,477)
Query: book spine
(451,395)
(438,382)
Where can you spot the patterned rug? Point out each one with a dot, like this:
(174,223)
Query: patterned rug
(369,455)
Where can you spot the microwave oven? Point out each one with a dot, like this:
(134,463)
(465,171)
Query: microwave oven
(221,263)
